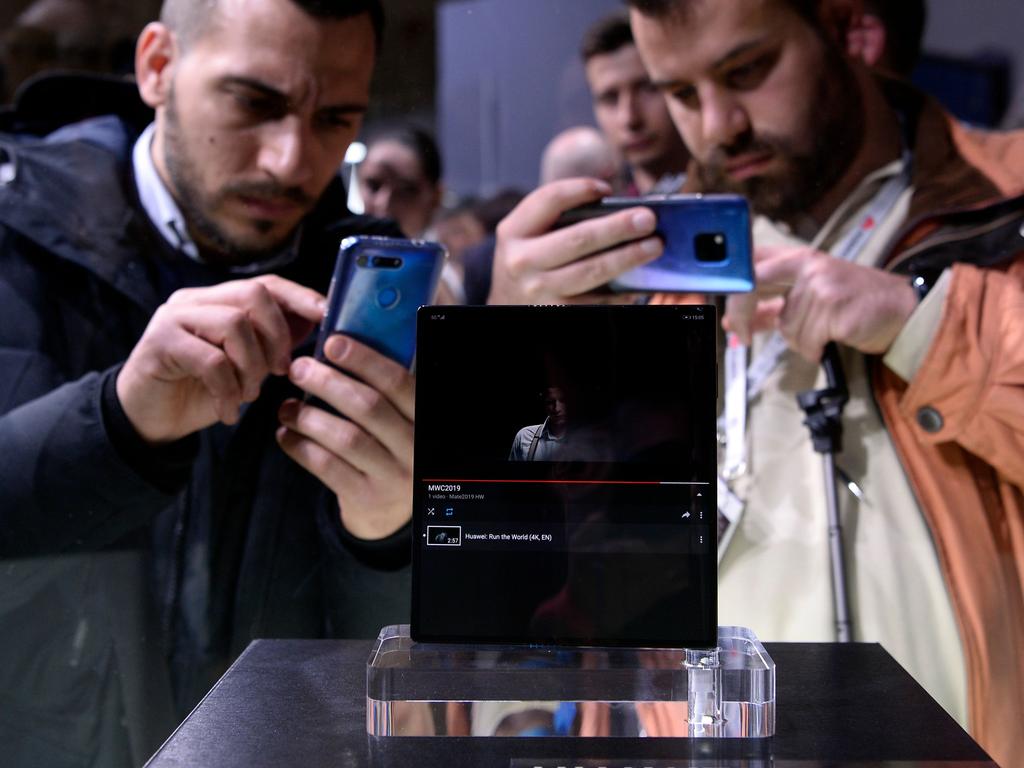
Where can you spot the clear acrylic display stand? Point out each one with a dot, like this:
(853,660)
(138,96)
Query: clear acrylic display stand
(428,689)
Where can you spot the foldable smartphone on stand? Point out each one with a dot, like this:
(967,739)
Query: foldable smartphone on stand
(564,535)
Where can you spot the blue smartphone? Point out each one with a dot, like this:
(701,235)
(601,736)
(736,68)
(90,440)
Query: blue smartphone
(378,284)
(707,243)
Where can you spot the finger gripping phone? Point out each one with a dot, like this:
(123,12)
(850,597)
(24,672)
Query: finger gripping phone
(378,284)
(707,243)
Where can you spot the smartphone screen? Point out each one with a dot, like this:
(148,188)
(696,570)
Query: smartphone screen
(378,285)
(565,476)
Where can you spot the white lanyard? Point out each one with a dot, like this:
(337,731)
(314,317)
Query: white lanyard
(734,419)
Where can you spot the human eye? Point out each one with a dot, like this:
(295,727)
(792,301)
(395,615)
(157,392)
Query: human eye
(406,191)
(751,74)
(685,95)
(337,119)
(255,105)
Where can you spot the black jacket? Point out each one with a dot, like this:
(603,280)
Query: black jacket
(130,574)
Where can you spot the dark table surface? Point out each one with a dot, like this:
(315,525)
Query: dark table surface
(303,703)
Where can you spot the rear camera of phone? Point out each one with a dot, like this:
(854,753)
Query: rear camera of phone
(362,261)
(387,297)
(387,262)
(709,246)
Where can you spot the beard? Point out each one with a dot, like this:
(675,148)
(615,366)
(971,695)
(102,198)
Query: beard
(199,206)
(836,131)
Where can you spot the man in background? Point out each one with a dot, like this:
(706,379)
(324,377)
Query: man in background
(582,151)
(629,111)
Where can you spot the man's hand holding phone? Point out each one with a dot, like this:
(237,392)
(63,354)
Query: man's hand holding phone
(535,265)
(207,351)
(365,455)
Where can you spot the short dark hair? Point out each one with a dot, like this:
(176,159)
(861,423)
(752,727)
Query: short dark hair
(187,18)
(417,140)
(606,35)
(661,8)
(904,22)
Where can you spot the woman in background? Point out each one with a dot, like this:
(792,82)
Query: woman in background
(400,179)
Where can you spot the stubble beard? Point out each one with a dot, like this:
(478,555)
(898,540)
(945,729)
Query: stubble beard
(837,133)
(198,206)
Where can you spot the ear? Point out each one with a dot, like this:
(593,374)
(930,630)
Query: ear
(439,192)
(155,54)
(841,19)
(867,42)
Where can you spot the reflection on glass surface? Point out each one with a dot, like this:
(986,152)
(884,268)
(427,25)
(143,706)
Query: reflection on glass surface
(496,690)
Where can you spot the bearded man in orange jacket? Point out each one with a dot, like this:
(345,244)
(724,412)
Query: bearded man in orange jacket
(875,232)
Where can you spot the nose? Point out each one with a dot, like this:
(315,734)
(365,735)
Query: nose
(629,110)
(723,117)
(378,201)
(285,152)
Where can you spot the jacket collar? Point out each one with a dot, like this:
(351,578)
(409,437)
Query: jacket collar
(67,194)
(941,178)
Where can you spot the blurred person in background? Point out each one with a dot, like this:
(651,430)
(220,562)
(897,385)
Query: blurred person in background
(478,260)
(582,151)
(579,151)
(52,34)
(459,228)
(630,111)
(400,178)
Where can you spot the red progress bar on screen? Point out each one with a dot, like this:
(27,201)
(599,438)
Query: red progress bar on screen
(571,482)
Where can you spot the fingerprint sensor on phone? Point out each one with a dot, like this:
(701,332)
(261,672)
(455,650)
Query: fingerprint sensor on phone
(387,297)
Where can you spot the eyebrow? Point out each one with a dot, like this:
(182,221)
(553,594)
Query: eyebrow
(719,63)
(391,174)
(273,93)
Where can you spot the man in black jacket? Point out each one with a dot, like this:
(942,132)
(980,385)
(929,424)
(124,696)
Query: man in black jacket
(155,293)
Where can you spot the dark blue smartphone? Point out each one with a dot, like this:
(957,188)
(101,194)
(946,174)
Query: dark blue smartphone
(707,243)
(378,284)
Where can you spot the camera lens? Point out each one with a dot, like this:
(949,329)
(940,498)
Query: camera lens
(361,261)
(709,246)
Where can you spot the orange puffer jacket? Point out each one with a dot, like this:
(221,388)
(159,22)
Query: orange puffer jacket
(958,425)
